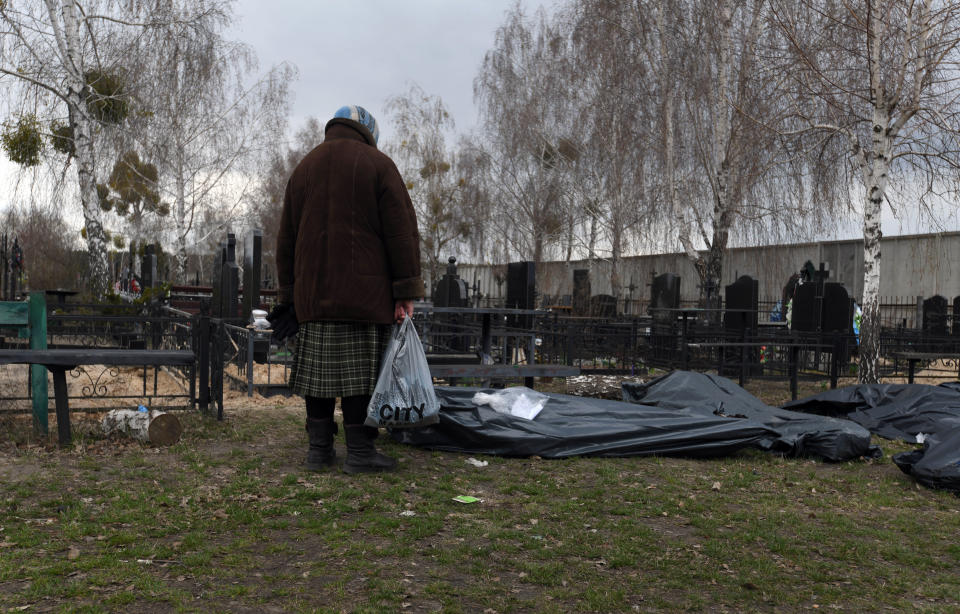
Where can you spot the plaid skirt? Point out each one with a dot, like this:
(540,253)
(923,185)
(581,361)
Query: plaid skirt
(338,359)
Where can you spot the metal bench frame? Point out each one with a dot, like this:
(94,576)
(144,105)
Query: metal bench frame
(61,361)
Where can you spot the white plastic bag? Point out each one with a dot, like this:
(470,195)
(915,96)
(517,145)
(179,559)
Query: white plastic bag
(404,395)
(517,401)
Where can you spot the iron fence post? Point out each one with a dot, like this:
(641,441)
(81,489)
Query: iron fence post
(194,322)
(221,332)
(794,368)
(249,362)
(835,361)
(743,357)
(203,360)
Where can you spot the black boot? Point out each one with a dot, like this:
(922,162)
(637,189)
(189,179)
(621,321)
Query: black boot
(362,456)
(321,454)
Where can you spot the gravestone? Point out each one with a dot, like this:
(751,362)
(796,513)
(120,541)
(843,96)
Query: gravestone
(935,316)
(252,262)
(603,306)
(956,316)
(521,285)
(226,281)
(581,292)
(451,291)
(12,269)
(5,274)
(742,300)
(664,297)
(806,308)
(836,314)
(148,267)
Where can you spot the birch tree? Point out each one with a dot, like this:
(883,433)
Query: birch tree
(729,101)
(686,83)
(877,79)
(617,114)
(56,56)
(210,126)
(527,123)
(271,182)
(46,51)
(429,167)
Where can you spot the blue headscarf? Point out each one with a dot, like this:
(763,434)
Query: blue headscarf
(361,116)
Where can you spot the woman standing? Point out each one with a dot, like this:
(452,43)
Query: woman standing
(348,265)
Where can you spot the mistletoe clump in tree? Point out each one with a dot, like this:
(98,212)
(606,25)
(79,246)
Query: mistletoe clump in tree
(132,192)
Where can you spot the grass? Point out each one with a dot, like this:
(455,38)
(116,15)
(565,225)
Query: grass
(227,520)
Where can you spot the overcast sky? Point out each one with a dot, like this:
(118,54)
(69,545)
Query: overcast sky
(360,52)
(366,51)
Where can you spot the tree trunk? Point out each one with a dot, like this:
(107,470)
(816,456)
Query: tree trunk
(875,167)
(156,427)
(722,135)
(92,218)
(180,219)
(592,242)
(616,251)
(83,124)
(538,241)
(875,181)
(666,92)
(868,372)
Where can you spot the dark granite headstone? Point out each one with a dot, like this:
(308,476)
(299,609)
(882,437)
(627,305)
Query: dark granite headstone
(837,312)
(5,277)
(806,308)
(935,316)
(148,267)
(521,285)
(956,316)
(226,281)
(252,262)
(742,299)
(451,291)
(603,306)
(664,296)
(581,292)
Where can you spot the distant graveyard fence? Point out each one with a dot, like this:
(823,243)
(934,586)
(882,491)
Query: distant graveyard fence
(743,336)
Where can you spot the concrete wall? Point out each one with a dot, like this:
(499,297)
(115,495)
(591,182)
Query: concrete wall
(914,265)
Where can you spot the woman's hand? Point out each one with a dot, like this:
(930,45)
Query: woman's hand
(401,310)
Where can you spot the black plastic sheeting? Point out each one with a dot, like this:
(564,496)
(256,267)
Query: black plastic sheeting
(791,433)
(581,426)
(894,411)
(902,411)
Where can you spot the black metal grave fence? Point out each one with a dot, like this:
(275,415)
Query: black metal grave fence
(113,326)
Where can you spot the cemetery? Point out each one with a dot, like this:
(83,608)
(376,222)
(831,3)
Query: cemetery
(667,321)
(184,347)
(684,375)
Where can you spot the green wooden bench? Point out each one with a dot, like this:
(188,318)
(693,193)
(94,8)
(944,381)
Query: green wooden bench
(29,319)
